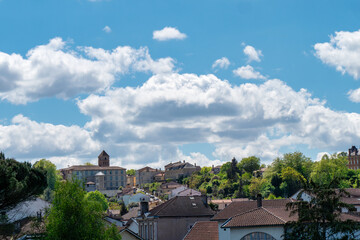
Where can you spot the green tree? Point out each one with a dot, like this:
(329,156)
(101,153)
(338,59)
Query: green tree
(19,181)
(319,218)
(98,197)
(329,168)
(73,216)
(131,172)
(259,186)
(249,164)
(51,177)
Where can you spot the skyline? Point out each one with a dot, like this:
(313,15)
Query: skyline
(153,82)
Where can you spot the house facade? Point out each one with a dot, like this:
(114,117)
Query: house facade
(104,176)
(174,218)
(146,175)
(180,169)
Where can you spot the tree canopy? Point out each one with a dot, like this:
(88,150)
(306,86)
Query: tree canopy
(73,216)
(19,181)
(319,217)
(131,172)
(98,197)
(51,177)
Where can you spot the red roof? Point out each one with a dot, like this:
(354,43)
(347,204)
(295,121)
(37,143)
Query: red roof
(236,208)
(203,231)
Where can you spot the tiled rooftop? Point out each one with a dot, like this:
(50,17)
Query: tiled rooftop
(203,231)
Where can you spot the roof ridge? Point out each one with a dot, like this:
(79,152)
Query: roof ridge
(164,205)
(273,214)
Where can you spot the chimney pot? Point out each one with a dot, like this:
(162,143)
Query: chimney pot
(259,200)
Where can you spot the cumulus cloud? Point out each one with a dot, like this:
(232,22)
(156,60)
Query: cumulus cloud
(53,70)
(244,120)
(341,52)
(24,137)
(222,63)
(107,29)
(354,95)
(248,72)
(168,33)
(252,53)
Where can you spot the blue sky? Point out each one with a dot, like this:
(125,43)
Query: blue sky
(158,81)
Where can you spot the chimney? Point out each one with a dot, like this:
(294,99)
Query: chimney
(144,206)
(183,161)
(259,200)
(204,199)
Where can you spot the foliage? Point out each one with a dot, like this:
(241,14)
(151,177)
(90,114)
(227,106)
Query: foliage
(259,186)
(319,218)
(131,172)
(329,168)
(98,197)
(132,204)
(73,216)
(89,164)
(52,176)
(19,182)
(249,164)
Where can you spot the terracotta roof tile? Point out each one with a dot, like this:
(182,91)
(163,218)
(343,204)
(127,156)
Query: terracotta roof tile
(203,231)
(254,217)
(236,208)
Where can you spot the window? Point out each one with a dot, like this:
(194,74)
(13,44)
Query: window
(258,236)
(110,172)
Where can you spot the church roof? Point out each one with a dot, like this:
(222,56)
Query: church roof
(103,153)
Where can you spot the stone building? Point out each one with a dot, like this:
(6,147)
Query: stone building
(104,176)
(146,175)
(180,169)
(354,158)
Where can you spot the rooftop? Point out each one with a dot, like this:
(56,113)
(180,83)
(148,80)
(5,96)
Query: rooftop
(183,206)
(238,207)
(203,231)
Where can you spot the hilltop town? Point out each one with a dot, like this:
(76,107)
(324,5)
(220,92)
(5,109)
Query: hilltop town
(237,200)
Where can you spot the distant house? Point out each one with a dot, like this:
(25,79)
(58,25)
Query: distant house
(146,175)
(173,219)
(183,191)
(134,198)
(216,169)
(223,203)
(104,176)
(354,158)
(130,181)
(166,188)
(206,230)
(180,169)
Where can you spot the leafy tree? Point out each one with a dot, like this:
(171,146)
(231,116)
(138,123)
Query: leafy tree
(89,164)
(249,164)
(233,170)
(73,216)
(131,172)
(51,177)
(259,186)
(319,218)
(98,197)
(329,168)
(19,182)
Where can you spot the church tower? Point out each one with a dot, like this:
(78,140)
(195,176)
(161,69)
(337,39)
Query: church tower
(104,159)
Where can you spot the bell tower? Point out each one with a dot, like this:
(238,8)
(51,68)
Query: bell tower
(104,159)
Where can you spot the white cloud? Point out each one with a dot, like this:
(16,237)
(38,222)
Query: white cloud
(320,155)
(107,29)
(168,33)
(248,72)
(222,63)
(24,137)
(354,95)
(342,52)
(252,53)
(244,120)
(52,70)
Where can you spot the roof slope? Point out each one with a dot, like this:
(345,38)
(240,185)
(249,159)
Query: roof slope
(203,231)
(103,153)
(263,216)
(183,206)
(236,208)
